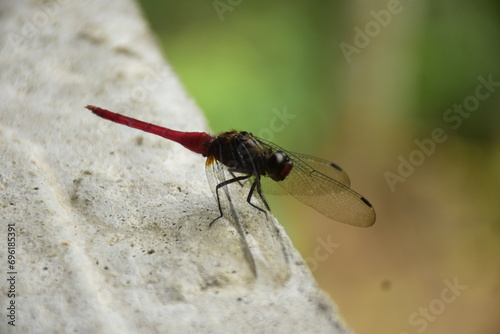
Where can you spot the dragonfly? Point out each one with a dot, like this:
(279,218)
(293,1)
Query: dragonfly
(253,161)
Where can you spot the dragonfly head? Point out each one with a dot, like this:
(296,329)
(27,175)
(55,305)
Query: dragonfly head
(278,165)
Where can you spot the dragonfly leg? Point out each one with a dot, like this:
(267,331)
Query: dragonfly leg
(256,184)
(259,191)
(222,184)
(234,175)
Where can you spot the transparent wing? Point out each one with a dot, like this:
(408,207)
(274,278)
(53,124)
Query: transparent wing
(325,187)
(326,167)
(217,173)
(265,239)
(330,169)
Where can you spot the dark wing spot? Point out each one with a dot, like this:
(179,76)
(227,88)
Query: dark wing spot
(366,202)
(335,166)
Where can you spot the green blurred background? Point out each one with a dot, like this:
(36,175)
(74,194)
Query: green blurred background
(278,69)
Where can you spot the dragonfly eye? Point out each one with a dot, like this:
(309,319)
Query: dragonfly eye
(278,166)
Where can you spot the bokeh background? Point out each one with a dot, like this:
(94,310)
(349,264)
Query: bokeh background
(361,83)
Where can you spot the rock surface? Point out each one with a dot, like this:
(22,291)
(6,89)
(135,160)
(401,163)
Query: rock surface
(111,224)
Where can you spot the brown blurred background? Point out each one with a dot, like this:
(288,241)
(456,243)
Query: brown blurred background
(405,96)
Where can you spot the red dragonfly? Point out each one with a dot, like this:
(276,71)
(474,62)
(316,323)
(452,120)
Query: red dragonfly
(321,184)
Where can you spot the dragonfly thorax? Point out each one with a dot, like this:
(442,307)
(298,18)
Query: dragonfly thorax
(241,152)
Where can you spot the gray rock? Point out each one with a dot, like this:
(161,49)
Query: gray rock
(111,223)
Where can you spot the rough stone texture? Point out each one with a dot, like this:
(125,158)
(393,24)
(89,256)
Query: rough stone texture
(111,223)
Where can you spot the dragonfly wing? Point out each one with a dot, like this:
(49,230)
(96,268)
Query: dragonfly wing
(324,186)
(311,163)
(217,173)
(328,196)
(328,168)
